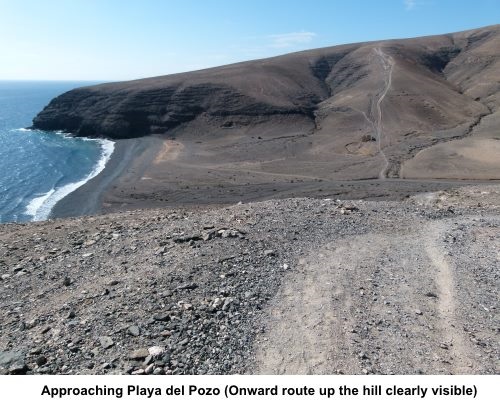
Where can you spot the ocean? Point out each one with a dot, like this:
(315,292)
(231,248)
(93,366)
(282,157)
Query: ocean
(38,168)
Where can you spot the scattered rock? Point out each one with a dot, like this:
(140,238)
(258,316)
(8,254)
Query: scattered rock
(106,342)
(161,317)
(134,330)
(18,367)
(156,351)
(139,354)
(41,360)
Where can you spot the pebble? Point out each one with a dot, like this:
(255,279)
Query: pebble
(106,342)
(19,367)
(41,360)
(139,354)
(156,351)
(134,330)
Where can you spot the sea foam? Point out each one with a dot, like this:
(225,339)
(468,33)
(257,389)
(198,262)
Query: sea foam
(40,207)
(21,130)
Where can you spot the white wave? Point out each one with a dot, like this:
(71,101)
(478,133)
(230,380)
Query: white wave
(69,135)
(40,207)
(36,203)
(21,130)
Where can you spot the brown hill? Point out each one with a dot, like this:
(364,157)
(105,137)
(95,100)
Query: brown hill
(414,108)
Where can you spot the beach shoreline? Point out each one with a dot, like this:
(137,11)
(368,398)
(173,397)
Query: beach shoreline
(87,199)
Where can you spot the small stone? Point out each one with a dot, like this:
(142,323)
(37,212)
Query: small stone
(138,372)
(269,252)
(134,330)
(160,250)
(227,303)
(139,354)
(419,312)
(149,369)
(156,351)
(19,367)
(67,281)
(41,360)
(161,317)
(106,342)
(208,235)
(286,266)
(158,371)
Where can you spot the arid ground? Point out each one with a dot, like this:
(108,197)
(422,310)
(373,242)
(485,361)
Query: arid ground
(308,286)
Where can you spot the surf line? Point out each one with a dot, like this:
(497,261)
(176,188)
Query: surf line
(40,207)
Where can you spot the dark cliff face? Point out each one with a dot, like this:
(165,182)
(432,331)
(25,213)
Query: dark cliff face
(156,105)
(290,85)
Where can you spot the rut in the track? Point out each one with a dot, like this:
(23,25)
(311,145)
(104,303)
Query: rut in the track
(376,303)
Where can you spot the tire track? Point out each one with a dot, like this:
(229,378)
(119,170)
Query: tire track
(387,66)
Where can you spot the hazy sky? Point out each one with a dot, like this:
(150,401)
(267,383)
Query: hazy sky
(126,39)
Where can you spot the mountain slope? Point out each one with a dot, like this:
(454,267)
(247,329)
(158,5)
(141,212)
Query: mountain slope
(364,108)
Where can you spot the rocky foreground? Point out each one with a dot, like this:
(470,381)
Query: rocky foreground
(290,286)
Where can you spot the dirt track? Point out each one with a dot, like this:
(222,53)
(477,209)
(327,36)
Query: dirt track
(285,286)
(388,302)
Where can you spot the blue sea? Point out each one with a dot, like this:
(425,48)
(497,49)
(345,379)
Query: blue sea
(39,168)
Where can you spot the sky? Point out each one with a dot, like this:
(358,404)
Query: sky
(112,40)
